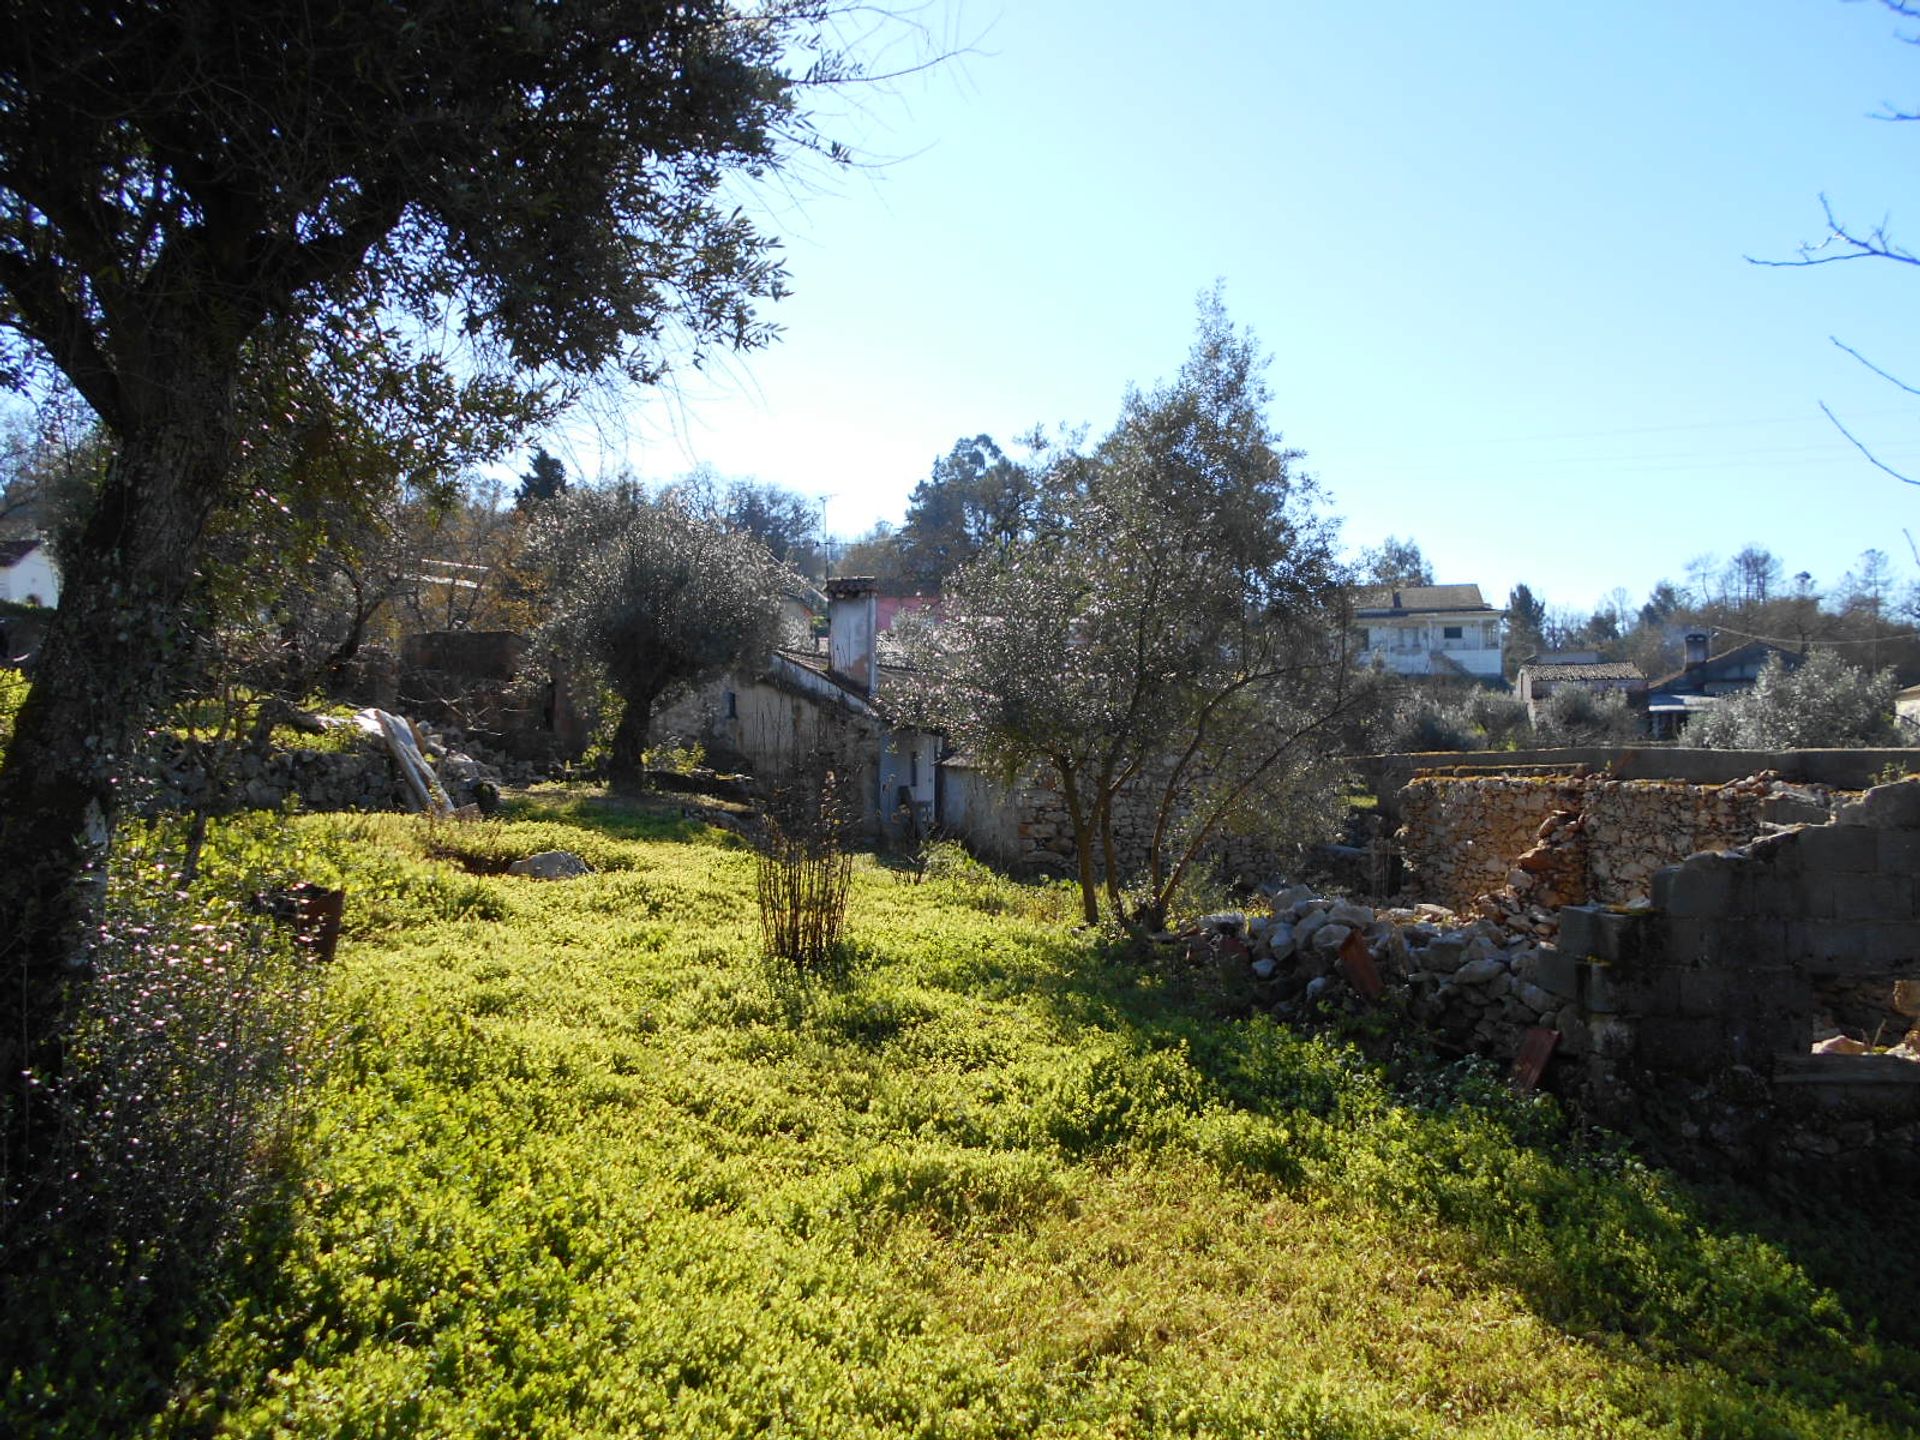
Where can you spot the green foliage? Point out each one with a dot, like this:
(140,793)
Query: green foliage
(1824,702)
(1575,715)
(1161,622)
(1480,719)
(188,1072)
(976,502)
(13,694)
(654,593)
(585,1165)
(1395,562)
(546,479)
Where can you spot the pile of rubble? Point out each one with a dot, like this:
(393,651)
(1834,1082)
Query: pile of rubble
(1468,979)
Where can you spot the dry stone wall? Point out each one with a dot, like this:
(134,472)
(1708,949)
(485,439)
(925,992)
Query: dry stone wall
(1567,840)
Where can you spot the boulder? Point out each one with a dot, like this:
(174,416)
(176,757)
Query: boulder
(550,865)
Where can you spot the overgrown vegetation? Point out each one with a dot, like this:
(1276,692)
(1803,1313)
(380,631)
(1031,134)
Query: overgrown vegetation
(1825,701)
(175,1122)
(583,1163)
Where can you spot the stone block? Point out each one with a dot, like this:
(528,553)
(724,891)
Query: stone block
(1580,930)
(1885,807)
(1813,894)
(1899,852)
(1873,897)
(1741,944)
(1851,849)
(1610,1038)
(1692,942)
(1575,1038)
(1686,1044)
(1896,949)
(1703,992)
(1610,993)
(1703,885)
(1558,972)
(1663,881)
(1822,942)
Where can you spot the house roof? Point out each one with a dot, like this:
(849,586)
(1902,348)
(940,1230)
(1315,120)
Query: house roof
(12,552)
(1605,670)
(1740,653)
(1374,601)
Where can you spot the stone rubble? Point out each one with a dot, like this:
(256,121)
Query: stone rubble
(1468,979)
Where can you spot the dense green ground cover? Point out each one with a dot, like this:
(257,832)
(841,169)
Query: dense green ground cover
(581,1163)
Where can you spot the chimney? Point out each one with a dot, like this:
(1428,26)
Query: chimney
(1696,643)
(852,624)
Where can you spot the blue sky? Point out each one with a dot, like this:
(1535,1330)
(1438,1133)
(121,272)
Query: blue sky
(1494,249)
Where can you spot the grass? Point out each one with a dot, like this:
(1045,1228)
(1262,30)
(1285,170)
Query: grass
(584,1164)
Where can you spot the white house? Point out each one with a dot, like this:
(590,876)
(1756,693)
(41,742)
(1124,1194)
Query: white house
(27,576)
(1428,630)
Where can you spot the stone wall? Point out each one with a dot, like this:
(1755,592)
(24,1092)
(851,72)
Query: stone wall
(1565,840)
(1459,838)
(1387,775)
(191,775)
(1026,826)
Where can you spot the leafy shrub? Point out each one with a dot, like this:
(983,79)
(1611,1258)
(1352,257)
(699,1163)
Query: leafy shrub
(1575,715)
(1825,702)
(1480,719)
(184,1084)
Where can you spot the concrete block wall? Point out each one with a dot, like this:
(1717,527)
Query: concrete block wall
(1740,958)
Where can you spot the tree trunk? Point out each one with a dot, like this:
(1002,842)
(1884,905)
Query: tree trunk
(1083,837)
(113,646)
(626,763)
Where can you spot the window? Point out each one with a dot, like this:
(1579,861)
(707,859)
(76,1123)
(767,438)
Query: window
(733,706)
(913,769)
(1451,632)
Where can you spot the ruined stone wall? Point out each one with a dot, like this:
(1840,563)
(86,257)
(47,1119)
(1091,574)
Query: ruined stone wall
(1575,839)
(1708,1003)
(1460,838)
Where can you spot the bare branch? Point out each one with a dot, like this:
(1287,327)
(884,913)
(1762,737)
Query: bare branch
(1876,246)
(1890,379)
(1872,458)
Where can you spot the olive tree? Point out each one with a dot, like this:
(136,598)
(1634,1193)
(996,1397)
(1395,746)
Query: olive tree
(1823,702)
(1170,630)
(656,593)
(203,204)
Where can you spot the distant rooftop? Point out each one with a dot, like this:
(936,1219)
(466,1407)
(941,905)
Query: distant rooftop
(1604,670)
(1380,600)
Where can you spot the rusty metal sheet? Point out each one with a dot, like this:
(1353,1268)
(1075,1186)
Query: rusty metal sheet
(1356,963)
(1536,1048)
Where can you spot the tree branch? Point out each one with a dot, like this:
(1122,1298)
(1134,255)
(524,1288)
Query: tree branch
(1873,459)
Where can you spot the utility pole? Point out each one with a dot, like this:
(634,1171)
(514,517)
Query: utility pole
(826,546)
